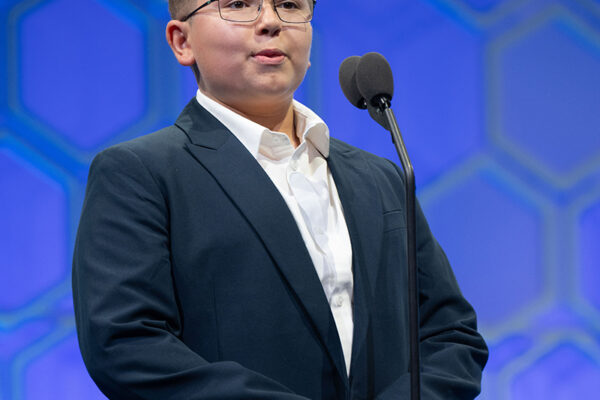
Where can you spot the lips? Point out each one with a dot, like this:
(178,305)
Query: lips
(270,53)
(269,56)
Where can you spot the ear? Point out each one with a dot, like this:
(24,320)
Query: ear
(177,33)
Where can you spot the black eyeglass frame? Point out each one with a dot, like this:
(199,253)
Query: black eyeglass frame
(190,15)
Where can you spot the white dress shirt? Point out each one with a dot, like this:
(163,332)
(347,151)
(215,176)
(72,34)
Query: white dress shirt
(302,177)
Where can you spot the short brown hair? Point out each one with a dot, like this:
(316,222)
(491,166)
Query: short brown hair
(177,8)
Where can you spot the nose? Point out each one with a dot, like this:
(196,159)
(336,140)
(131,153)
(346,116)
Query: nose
(268,22)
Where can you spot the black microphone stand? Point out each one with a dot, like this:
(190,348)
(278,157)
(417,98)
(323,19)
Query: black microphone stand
(383,105)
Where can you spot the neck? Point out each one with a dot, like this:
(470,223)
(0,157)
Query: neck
(281,121)
(277,117)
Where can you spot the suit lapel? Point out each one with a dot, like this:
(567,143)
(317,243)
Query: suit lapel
(363,213)
(253,192)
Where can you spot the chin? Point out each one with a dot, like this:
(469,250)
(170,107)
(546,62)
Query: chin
(273,90)
(276,85)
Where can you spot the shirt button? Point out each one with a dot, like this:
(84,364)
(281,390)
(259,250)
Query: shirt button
(338,301)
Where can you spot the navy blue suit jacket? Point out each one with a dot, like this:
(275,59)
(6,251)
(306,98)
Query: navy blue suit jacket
(191,280)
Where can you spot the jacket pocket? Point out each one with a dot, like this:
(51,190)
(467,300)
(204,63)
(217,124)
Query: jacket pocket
(394,220)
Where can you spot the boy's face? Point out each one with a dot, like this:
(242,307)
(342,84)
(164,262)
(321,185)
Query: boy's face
(254,64)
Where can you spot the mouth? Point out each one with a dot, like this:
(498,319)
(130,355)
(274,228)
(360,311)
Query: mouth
(270,56)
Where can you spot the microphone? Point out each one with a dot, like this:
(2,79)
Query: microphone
(348,82)
(375,80)
(368,82)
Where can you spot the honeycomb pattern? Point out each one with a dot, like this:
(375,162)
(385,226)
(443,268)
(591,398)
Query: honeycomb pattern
(69,381)
(16,340)
(75,43)
(34,219)
(548,85)
(564,373)
(590,254)
(489,213)
(498,102)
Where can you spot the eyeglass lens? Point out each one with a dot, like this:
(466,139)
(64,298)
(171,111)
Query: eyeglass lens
(294,11)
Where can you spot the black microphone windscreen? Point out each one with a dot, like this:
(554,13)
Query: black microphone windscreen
(374,77)
(348,82)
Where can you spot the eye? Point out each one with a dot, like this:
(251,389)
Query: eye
(236,5)
(288,5)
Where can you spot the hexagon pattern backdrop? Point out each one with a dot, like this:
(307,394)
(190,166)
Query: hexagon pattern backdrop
(499,102)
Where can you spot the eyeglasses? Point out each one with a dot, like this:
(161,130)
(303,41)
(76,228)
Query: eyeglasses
(290,11)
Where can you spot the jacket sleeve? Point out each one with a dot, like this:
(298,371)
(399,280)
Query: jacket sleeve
(453,354)
(125,304)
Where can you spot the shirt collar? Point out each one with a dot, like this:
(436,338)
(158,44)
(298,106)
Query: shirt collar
(313,129)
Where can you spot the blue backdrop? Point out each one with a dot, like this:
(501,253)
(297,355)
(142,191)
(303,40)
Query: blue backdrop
(499,102)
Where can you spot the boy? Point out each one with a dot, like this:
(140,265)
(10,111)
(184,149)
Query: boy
(243,254)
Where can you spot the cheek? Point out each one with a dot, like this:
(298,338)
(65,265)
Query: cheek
(217,41)
(220,57)
(303,47)
(303,61)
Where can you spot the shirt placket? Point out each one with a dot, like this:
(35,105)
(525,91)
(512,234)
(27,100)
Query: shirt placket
(312,197)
